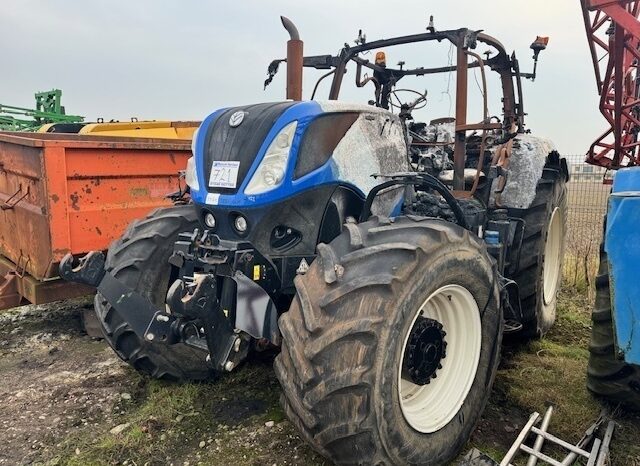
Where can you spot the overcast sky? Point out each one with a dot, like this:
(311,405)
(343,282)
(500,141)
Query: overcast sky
(160,59)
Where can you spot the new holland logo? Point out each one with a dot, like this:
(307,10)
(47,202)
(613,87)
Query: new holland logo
(236,119)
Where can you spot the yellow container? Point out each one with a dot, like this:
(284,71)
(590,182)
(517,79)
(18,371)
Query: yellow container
(135,129)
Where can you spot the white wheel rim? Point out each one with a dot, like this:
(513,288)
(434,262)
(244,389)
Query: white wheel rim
(552,259)
(428,408)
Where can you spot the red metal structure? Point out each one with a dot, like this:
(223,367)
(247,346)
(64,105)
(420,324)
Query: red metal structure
(613,371)
(613,32)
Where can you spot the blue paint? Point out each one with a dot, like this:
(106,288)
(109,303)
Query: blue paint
(492,237)
(304,113)
(622,243)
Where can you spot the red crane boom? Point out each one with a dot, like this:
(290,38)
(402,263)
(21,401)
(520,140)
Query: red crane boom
(613,32)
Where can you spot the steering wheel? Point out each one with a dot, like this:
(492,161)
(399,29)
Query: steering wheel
(418,103)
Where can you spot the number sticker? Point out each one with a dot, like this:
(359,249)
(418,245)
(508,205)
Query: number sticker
(224,174)
(212,198)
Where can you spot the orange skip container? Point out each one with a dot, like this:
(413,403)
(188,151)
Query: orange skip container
(63,193)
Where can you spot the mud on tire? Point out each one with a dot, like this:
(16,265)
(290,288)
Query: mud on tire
(343,339)
(139,259)
(538,310)
(608,376)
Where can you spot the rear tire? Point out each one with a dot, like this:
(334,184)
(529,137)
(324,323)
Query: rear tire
(608,376)
(538,272)
(344,342)
(139,259)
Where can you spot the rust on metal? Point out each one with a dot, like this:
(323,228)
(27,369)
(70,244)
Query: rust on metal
(477,126)
(460,145)
(9,296)
(70,193)
(17,289)
(613,32)
(295,60)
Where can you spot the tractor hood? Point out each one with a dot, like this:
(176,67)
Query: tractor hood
(259,154)
(237,135)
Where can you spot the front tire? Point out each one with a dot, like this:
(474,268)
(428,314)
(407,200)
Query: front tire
(139,260)
(342,365)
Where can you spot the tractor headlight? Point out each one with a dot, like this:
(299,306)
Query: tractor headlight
(271,170)
(210,220)
(240,224)
(190,175)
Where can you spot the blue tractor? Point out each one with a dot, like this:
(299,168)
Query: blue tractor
(613,373)
(614,363)
(383,257)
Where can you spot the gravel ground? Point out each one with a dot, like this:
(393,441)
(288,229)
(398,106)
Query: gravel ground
(55,380)
(68,400)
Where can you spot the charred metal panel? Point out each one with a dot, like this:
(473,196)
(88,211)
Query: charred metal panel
(528,157)
(320,140)
(374,144)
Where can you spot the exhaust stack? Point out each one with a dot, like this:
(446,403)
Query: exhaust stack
(294,60)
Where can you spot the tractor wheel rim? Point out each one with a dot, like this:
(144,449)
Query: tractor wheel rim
(552,259)
(428,408)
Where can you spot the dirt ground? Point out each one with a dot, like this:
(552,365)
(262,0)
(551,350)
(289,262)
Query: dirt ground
(55,381)
(68,400)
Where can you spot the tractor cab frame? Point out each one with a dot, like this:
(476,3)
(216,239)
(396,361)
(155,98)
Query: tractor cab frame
(464,40)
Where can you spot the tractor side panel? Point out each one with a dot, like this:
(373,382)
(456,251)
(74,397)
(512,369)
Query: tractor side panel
(622,243)
(528,156)
(375,144)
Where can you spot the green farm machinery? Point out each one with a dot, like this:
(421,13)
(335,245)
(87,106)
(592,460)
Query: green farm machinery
(49,109)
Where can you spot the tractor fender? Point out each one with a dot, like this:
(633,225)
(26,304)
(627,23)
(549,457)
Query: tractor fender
(528,158)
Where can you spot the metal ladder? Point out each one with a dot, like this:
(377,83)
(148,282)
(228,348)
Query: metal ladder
(596,456)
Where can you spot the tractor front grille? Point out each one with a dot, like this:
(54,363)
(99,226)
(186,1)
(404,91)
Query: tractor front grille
(241,143)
